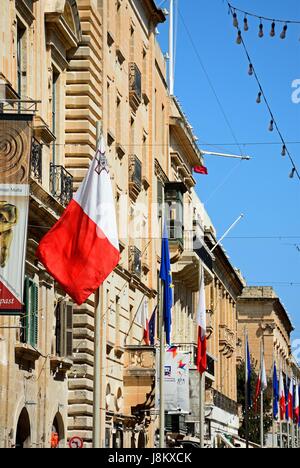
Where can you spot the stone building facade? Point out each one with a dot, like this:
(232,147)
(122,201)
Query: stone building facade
(264,316)
(38,40)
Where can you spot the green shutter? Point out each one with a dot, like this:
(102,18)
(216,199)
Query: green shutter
(26,317)
(35,314)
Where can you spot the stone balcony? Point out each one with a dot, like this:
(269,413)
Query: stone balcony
(139,379)
(139,361)
(226,341)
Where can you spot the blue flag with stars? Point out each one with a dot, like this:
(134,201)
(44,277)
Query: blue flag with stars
(166,277)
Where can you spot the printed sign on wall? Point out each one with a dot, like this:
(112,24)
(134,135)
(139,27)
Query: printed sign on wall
(177,382)
(15,151)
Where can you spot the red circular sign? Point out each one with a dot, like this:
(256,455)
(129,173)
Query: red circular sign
(76,443)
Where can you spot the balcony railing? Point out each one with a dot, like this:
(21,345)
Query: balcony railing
(135,261)
(36,160)
(135,86)
(135,176)
(61,184)
(225,403)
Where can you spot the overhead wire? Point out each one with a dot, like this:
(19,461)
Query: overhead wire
(264,96)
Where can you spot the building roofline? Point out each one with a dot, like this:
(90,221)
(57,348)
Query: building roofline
(273,298)
(157,14)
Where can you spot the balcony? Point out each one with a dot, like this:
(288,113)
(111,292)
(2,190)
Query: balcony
(61,184)
(226,341)
(225,404)
(36,160)
(135,262)
(135,177)
(135,86)
(139,361)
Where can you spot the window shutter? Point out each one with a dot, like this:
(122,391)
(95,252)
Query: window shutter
(69,330)
(63,327)
(34,311)
(58,328)
(26,317)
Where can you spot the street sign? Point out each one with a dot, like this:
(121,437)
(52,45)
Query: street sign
(76,443)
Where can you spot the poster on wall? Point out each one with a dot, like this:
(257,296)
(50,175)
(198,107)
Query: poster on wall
(177,382)
(15,150)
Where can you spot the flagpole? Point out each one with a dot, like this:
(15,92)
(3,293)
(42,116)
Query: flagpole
(273,395)
(262,399)
(201,385)
(162,361)
(99,359)
(246,390)
(171,47)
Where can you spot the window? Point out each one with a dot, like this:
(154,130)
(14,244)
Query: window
(21,59)
(160,201)
(29,321)
(117,323)
(174,203)
(55,123)
(64,329)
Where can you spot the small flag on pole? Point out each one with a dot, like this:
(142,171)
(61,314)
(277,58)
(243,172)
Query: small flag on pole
(201,170)
(143,321)
(282,397)
(152,326)
(248,372)
(201,352)
(262,382)
(166,277)
(290,401)
(275,393)
(296,405)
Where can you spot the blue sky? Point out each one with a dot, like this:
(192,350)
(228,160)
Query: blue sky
(261,189)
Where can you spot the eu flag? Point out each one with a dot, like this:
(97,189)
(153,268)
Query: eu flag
(275,394)
(249,374)
(166,277)
(152,325)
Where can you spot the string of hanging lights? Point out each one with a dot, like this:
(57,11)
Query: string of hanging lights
(261,30)
(262,96)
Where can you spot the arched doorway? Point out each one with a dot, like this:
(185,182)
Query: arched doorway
(23,434)
(58,432)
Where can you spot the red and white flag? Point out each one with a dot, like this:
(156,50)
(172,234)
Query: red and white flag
(201,319)
(296,405)
(262,382)
(82,249)
(142,319)
(282,398)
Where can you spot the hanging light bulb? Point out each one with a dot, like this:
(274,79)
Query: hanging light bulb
(235,20)
(261,30)
(283,152)
(271,127)
(239,37)
(250,71)
(273,33)
(258,100)
(293,173)
(246,26)
(283,34)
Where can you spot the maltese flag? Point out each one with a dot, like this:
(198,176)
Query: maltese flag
(82,249)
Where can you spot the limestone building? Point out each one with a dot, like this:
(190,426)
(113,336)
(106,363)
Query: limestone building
(262,313)
(38,40)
